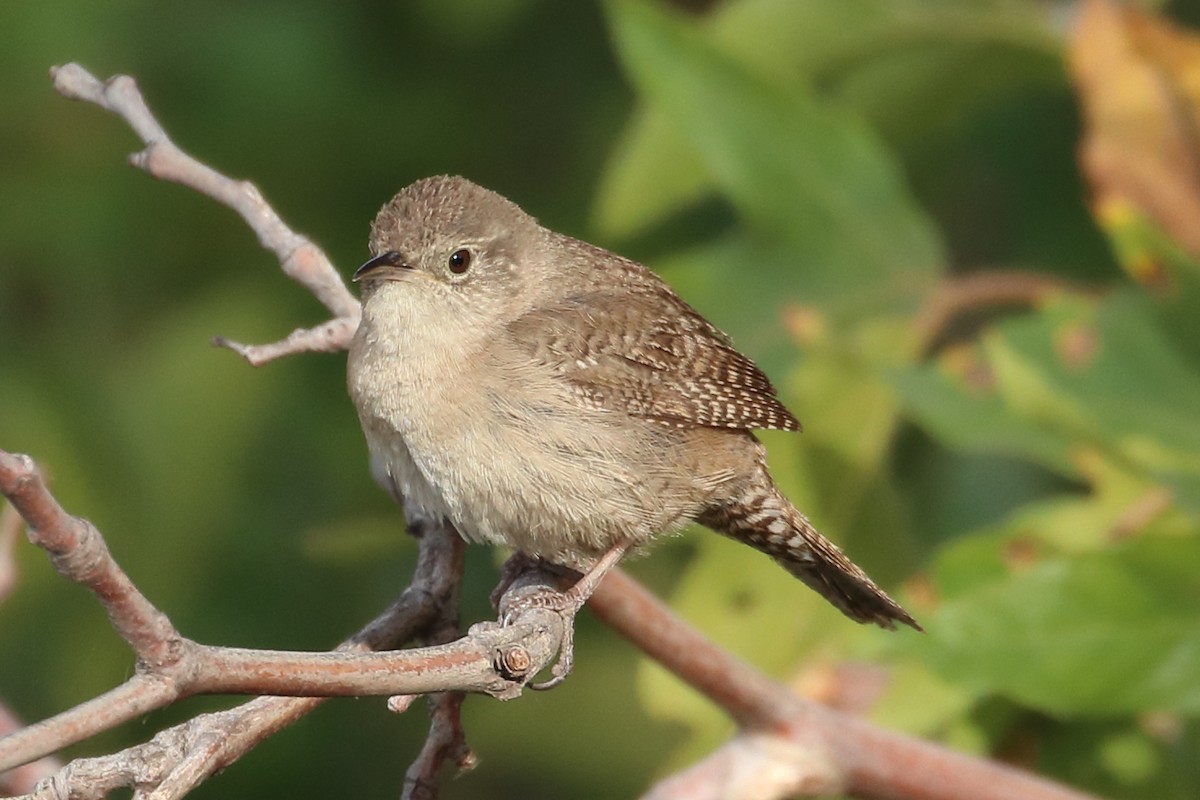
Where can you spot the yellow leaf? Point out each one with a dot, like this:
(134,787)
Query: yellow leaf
(1138,80)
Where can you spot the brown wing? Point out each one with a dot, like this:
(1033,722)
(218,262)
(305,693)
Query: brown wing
(646,352)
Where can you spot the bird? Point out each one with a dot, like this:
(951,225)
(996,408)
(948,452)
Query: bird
(544,394)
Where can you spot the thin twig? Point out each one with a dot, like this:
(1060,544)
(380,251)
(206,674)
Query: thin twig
(813,748)
(867,760)
(179,758)
(447,740)
(80,555)
(328,337)
(471,663)
(24,778)
(10,530)
(754,765)
(301,260)
(959,295)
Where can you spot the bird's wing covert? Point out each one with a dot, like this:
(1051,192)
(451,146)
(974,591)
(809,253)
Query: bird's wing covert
(649,354)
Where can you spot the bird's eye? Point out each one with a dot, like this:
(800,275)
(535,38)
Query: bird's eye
(460,261)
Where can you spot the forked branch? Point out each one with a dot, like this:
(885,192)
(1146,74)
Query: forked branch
(171,667)
(301,260)
(788,747)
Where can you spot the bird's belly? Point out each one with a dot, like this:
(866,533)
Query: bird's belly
(513,458)
(565,485)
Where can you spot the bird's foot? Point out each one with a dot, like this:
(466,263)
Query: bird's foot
(565,603)
(514,567)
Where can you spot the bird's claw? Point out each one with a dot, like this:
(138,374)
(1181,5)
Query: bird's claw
(565,603)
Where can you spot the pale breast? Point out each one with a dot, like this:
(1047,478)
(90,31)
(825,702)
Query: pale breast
(503,448)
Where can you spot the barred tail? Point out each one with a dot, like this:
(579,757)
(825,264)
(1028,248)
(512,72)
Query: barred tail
(768,522)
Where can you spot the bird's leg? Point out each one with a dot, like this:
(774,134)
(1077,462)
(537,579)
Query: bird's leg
(514,566)
(567,604)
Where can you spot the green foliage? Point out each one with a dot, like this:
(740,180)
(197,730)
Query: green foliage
(1110,632)
(808,174)
(1054,609)
(819,185)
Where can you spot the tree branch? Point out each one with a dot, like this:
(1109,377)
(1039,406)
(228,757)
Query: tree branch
(787,746)
(79,554)
(960,295)
(817,749)
(171,667)
(10,530)
(758,765)
(447,740)
(301,260)
(23,779)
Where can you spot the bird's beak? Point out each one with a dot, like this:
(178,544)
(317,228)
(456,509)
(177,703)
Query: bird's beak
(385,266)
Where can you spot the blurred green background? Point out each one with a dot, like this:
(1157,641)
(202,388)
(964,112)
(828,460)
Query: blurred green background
(807,174)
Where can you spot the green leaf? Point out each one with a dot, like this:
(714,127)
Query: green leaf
(1077,374)
(920,702)
(822,39)
(1174,308)
(653,173)
(860,51)
(749,606)
(1120,503)
(1108,632)
(798,171)
(973,416)
(1127,375)
(1115,376)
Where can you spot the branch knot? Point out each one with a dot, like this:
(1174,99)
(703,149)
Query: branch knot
(512,662)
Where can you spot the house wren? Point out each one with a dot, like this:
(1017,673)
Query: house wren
(547,395)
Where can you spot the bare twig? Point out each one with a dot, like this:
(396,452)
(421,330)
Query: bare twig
(328,337)
(447,741)
(199,747)
(471,663)
(787,744)
(302,261)
(827,748)
(23,779)
(239,730)
(10,531)
(79,554)
(960,295)
(754,765)
(179,758)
